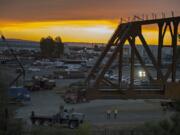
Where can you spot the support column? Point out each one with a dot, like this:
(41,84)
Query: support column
(120,64)
(132,64)
(151,56)
(174,45)
(114,39)
(160,45)
(140,60)
(110,60)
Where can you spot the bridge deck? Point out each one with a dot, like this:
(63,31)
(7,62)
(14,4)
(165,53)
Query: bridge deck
(155,21)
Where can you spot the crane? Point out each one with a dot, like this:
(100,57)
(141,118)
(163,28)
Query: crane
(22,71)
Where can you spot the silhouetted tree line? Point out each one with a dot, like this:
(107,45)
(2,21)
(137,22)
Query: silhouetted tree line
(52,47)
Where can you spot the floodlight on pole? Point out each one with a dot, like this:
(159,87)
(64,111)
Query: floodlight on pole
(142,74)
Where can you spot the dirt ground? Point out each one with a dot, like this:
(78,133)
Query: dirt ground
(130,112)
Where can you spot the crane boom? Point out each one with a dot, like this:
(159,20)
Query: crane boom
(22,73)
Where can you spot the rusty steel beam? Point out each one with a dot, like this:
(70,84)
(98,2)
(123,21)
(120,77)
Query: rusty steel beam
(105,80)
(170,28)
(151,56)
(167,46)
(156,21)
(174,38)
(172,67)
(107,48)
(169,71)
(160,45)
(140,59)
(164,31)
(120,64)
(111,59)
(102,72)
(108,81)
(132,63)
(174,45)
(123,33)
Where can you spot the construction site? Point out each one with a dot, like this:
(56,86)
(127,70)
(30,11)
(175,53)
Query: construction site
(122,84)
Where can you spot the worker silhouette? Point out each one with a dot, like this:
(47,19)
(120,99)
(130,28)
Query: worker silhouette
(115,113)
(108,114)
(32,117)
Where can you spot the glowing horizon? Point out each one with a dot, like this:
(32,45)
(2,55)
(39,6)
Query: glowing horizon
(91,31)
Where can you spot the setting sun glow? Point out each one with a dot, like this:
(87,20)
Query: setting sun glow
(91,31)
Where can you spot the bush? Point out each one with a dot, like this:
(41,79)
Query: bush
(163,127)
(55,130)
(14,127)
(177,105)
(84,129)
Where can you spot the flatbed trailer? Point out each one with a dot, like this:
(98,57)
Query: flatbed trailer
(73,120)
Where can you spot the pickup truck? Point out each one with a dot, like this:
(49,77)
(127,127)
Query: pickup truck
(73,120)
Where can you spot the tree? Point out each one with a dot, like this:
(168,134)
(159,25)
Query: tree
(59,46)
(47,46)
(51,48)
(96,48)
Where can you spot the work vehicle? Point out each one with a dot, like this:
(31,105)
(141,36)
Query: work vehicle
(76,93)
(40,83)
(72,119)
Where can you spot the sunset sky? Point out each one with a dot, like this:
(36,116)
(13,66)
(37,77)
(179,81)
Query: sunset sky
(76,20)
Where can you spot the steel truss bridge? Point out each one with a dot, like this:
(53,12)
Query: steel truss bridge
(130,31)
